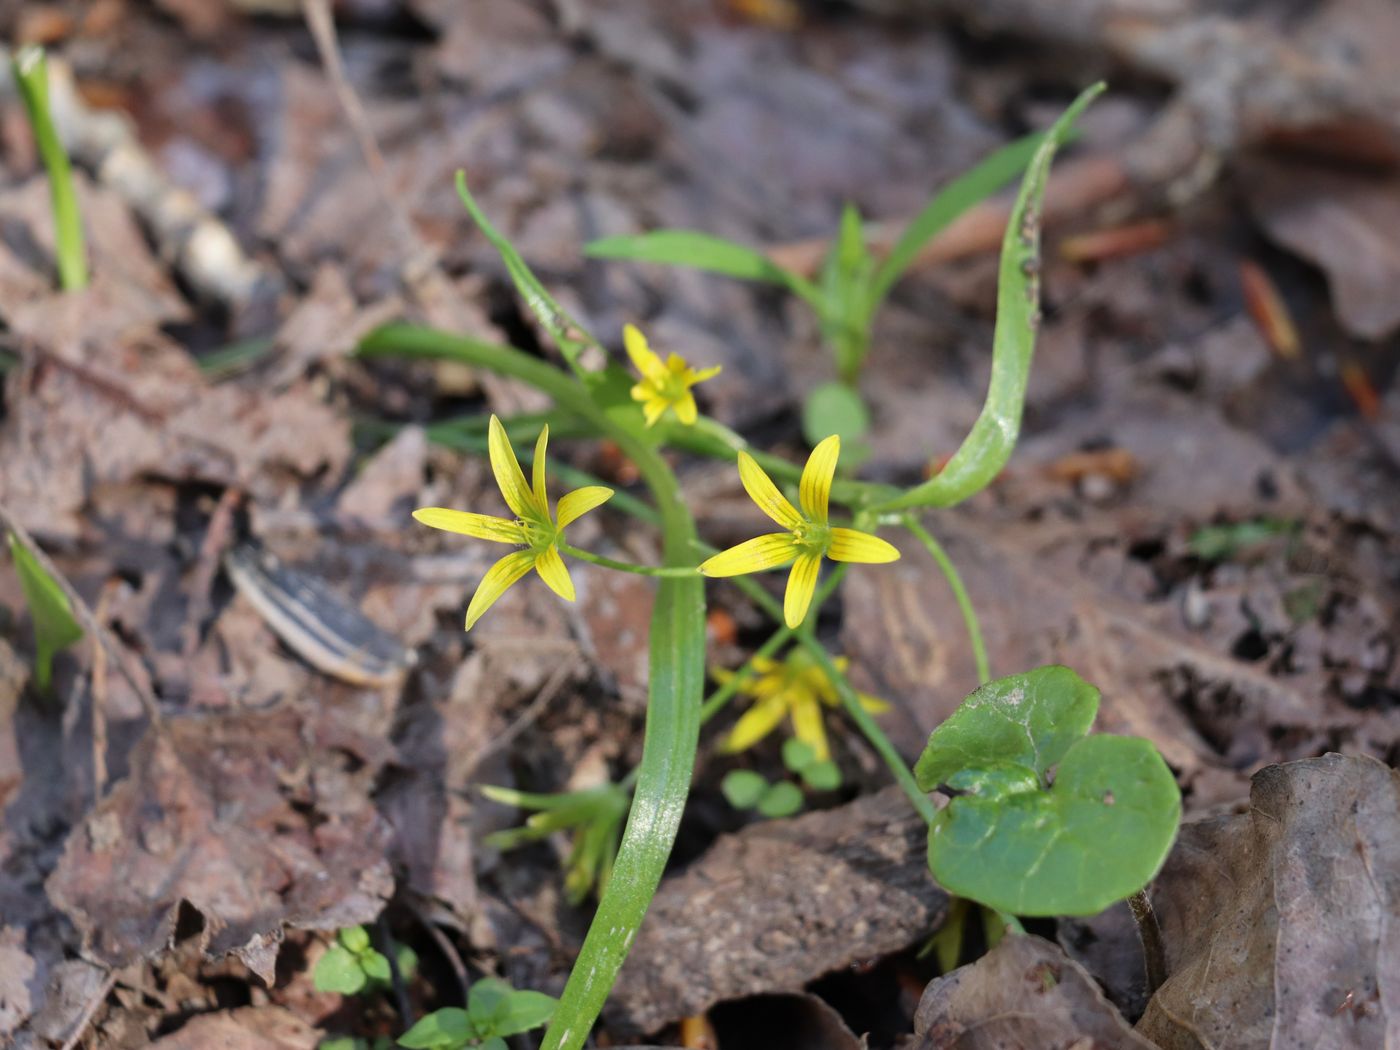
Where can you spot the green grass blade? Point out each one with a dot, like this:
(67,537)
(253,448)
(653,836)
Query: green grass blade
(570,336)
(702,251)
(31,71)
(988,446)
(54,625)
(976,184)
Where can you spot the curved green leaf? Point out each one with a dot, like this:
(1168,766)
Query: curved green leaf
(54,626)
(339,971)
(977,183)
(701,251)
(447,1029)
(988,446)
(1099,834)
(522,1011)
(1028,719)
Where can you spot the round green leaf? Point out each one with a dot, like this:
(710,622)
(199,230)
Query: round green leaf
(487,997)
(782,800)
(834,408)
(1097,835)
(822,776)
(354,938)
(376,966)
(338,971)
(1028,719)
(743,788)
(446,1029)
(798,754)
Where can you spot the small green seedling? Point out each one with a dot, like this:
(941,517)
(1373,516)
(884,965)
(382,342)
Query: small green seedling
(1045,819)
(350,1042)
(1227,542)
(54,625)
(31,72)
(850,288)
(745,789)
(594,816)
(352,965)
(494,1011)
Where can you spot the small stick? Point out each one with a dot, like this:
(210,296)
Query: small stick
(400,991)
(448,949)
(547,692)
(85,616)
(216,538)
(1153,951)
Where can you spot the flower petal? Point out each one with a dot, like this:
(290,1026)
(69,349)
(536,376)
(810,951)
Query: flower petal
(479,526)
(762,491)
(755,724)
(814,491)
(850,545)
(654,409)
(802,584)
(762,552)
(700,375)
(540,495)
(807,726)
(497,580)
(555,573)
(509,476)
(645,362)
(873,704)
(574,505)
(686,411)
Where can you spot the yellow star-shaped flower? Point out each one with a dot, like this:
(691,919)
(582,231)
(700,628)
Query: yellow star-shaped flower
(664,384)
(809,534)
(533,529)
(797,687)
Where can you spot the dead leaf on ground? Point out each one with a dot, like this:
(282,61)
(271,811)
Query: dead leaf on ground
(1282,925)
(223,817)
(1025,994)
(251,1028)
(780,1022)
(779,904)
(17,969)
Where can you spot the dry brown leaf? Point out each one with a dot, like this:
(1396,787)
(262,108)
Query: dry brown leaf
(251,1028)
(777,905)
(1282,925)
(223,817)
(17,969)
(1025,994)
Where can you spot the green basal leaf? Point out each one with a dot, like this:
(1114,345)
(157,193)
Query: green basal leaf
(834,408)
(822,776)
(783,799)
(798,754)
(54,626)
(1028,720)
(570,336)
(845,285)
(988,446)
(701,251)
(522,1011)
(339,971)
(446,1029)
(494,1043)
(989,175)
(354,938)
(1097,835)
(743,788)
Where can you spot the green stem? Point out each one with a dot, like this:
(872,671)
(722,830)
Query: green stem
(866,723)
(624,566)
(31,70)
(677,679)
(951,574)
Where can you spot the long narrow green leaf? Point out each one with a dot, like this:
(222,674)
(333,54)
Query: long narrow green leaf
(702,251)
(31,72)
(977,183)
(675,689)
(54,625)
(988,446)
(570,336)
